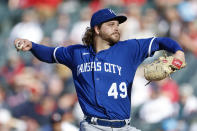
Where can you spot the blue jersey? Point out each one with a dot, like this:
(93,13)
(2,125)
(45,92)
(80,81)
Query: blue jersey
(103,80)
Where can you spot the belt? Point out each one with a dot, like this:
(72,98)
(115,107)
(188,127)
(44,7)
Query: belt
(108,123)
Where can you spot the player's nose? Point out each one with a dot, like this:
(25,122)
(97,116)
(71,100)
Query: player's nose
(116,29)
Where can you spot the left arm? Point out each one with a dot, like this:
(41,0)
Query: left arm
(167,44)
(146,47)
(171,46)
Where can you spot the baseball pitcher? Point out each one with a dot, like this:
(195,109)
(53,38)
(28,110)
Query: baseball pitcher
(104,67)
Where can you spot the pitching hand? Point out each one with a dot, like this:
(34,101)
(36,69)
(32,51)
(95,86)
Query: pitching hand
(22,44)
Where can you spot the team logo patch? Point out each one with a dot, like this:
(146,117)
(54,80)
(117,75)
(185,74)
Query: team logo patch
(111,11)
(177,63)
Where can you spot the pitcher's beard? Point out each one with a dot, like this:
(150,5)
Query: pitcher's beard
(112,39)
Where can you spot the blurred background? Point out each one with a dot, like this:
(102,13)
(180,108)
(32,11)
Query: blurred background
(36,96)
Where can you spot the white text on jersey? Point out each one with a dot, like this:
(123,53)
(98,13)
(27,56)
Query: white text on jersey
(98,66)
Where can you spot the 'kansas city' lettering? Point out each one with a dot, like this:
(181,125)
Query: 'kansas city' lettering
(98,66)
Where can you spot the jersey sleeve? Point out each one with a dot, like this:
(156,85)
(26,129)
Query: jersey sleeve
(43,53)
(146,47)
(63,55)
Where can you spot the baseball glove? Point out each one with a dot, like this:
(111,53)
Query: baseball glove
(162,67)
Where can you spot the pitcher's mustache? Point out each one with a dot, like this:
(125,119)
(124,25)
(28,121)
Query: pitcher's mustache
(116,33)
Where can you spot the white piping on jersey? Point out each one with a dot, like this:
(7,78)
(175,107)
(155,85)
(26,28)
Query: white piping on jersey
(54,54)
(150,45)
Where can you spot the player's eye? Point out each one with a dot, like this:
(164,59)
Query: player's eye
(111,24)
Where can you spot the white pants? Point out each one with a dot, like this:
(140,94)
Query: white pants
(85,126)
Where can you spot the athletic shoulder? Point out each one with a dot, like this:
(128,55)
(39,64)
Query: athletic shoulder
(138,46)
(66,54)
(129,42)
(136,41)
(76,46)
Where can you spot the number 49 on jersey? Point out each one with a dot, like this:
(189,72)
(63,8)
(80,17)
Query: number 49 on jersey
(113,90)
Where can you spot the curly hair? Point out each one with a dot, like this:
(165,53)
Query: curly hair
(88,38)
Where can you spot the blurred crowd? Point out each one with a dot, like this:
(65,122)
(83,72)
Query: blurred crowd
(39,96)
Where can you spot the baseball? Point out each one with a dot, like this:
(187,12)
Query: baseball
(19,46)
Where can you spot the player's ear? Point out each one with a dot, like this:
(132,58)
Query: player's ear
(97,30)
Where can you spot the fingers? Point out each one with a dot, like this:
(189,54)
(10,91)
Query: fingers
(18,44)
(22,44)
(183,65)
(180,55)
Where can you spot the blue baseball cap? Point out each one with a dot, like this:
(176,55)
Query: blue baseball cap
(105,15)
